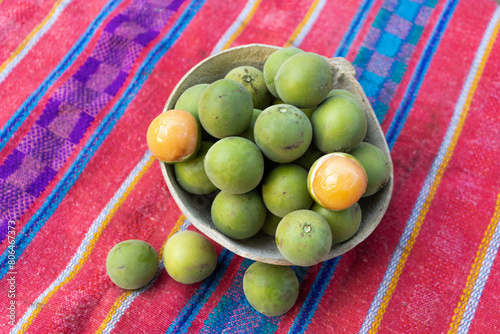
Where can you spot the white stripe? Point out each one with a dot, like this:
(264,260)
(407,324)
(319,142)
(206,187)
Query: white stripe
(130,298)
(310,22)
(86,241)
(484,273)
(234,27)
(424,192)
(491,253)
(38,35)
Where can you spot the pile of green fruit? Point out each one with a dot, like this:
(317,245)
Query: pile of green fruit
(283,153)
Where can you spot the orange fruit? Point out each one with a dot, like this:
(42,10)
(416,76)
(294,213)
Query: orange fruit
(336,181)
(174,136)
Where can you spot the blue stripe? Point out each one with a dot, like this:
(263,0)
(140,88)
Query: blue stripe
(419,74)
(27,107)
(34,225)
(356,24)
(186,316)
(303,318)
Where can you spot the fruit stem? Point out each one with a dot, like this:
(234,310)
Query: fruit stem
(307,228)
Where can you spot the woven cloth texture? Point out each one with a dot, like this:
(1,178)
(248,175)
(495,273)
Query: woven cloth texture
(80,81)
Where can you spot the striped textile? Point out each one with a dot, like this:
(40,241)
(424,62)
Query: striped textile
(80,81)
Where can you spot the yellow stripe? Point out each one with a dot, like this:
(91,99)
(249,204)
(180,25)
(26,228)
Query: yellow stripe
(90,246)
(125,294)
(302,24)
(433,189)
(475,270)
(243,24)
(30,36)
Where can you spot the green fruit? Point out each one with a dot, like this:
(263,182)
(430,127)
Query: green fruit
(273,63)
(234,165)
(132,264)
(253,80)
(304,237)
(270,224)
(307,111)
(376,165)
(344,224)
(271,290)
(304,80)
(188,100)
(225,108)
(191,174)
(283,133)
(307,159)
(238,216)
(189,257)
(248,133)
(344,92)
(284,190)
(339,124)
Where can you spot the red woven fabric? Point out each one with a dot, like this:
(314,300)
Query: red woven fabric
(80,81)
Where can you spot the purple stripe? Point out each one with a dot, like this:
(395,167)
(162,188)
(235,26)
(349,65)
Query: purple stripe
(116,84)
(11,164)
(49,113)
(81,126)
(75,104)
(90,66)
(41,181)
(145,38)
(116,22)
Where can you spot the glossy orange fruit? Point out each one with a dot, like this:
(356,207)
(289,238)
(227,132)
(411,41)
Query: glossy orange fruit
(336,181)
(174,136)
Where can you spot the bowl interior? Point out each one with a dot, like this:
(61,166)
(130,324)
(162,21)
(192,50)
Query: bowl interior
(262,247)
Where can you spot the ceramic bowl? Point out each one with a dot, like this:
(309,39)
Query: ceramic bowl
(262,247)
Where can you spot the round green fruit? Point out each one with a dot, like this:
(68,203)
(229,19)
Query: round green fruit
(270,224)
(307,159)
(225,108)
(304,80)
(283,133)
(189,257)
(273,63)
(191,174)
(270,289)
(238,216)
(343,92)
(253,80)
(188,100)
(339,124)
(132,264)
(376,165)
(304,237)
(234,165)
(248,133)
(307,111)
(284,189)
(344,224)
